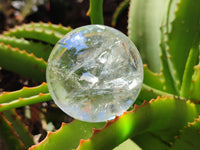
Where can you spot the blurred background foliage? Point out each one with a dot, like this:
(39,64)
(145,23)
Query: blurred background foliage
(67,12)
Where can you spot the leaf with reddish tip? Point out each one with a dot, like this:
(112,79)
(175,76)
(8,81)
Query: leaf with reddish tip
(157,116)
(9,136)
(19,128)
(25,96)
(68,136)
(25,92)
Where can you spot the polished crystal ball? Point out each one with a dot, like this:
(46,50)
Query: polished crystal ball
(94,73)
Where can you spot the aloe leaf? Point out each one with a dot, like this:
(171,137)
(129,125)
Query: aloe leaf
(9,136)
(189,137)
(170,14)
(13,59)
(152,87)
(195,84)
(158,115)
(68,136)
(49,26)
(144,22)
(25,101)
(19,128)
(122,6)
(95,12)
(153,79)
(25,92)
(25,96)
(40,50)
(171,84)
(187,77)
(149,141)
(41,34)
(183,30)
(147,93)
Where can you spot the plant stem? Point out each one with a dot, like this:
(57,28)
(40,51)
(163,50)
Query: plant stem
(96,12)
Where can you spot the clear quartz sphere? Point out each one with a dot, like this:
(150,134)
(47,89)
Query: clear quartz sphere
(94,73)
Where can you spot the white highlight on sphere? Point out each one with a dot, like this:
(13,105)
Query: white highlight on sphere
(94,73)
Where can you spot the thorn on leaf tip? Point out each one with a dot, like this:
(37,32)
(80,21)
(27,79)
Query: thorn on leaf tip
(25,87)
(4,93)
(43,83)
(41,94)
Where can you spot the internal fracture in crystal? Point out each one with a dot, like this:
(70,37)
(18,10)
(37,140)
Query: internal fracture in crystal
(94,73)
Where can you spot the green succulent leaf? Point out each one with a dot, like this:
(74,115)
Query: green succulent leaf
(189,137)
(96,12)
(153,79)
(40,50)
(123,5)
(195,84)
(36,34)
(170,82)
(149,141)
(8,135)
(60,29)
(68,136)
(25,101)
(189,70)
(25,96)
(36,31)
(152,87)
(21,62)
(145,17)
(147,93)
(156,116)
(25,92)
(19,127)
(182,32)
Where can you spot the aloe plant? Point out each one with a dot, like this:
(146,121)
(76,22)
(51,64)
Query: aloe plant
(166,113)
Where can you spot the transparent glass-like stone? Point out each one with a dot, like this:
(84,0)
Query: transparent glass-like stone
(94,73)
